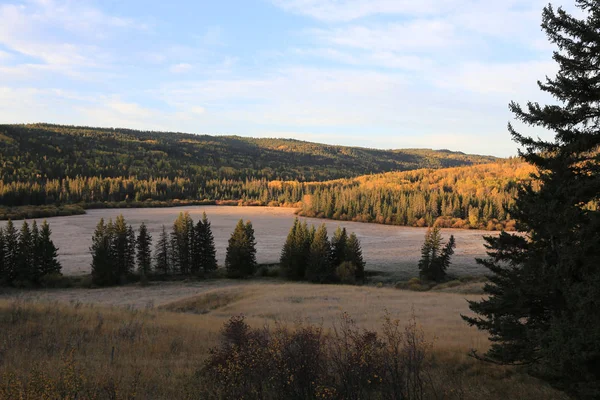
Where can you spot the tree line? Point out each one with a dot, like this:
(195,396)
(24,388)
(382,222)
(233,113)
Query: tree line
(118,252)
(463,197)
(27,257)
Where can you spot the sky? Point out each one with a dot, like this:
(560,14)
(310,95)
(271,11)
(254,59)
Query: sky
(373,73)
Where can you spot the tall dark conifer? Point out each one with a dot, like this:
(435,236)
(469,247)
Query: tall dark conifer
(206,242)
(338,246)
(25,256)
(354,256)
(143,251)
(11,243)
(103,270)
(319,268)
(542,304)
(162,256)
(240,259)
(48,252)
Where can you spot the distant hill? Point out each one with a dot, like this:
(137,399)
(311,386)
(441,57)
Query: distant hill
(40,152)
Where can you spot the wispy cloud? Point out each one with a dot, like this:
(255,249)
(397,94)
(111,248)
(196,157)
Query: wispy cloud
(180,68)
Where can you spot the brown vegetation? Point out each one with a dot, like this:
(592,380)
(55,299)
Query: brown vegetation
(91,351)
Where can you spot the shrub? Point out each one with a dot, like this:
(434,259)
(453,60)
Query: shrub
(307,363)
(346,273)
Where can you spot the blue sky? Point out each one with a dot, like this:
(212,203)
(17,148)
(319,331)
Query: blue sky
(374,73)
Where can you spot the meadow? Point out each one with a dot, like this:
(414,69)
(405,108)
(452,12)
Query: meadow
(54,344)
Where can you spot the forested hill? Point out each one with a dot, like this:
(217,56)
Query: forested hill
(41,152)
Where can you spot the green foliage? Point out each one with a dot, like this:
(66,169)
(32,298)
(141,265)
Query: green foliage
(435,260)
(542,305)
(319,268)
(113,252)
(204,252)
(354,256)
(240,259)
(295,252)
(162,253)
(144,255)
(181,243)
(47,253)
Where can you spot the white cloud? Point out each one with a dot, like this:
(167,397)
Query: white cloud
(180,68)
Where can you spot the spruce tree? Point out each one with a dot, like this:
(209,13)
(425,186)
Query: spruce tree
(103,269)
(48,252)
(11,243)
(25,256)
(319,268)
(123,248)
(204,248)
(162,256)
(354,256)
(240,259)
(286,260)
(144,255)
(542,305)
(435,260)
(338,246)
(181,243)
(36,254)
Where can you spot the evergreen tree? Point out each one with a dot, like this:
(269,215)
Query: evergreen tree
(204,252)
(181,243)
(542,305)
(338,246)
(240,259)
(319,268)
(11,243)
(354,256)
(286,260)
(25,256)
(123,248)
(435,260)
(296,250)
(3,275)
(162,256)
(36,254)
(103,271)
(144,256)
(48,252)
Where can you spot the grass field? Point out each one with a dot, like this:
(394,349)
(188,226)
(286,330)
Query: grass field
(75,340)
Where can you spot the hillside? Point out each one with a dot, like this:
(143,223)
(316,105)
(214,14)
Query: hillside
(38,152)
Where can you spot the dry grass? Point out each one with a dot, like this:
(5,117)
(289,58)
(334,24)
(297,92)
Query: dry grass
(158,353)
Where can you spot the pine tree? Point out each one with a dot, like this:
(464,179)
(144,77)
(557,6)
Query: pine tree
(338,246)
(11,243)
(240,259)
(542,305)
(103,270)
(144,256)
(162,256)
(319,268)
(25,256)
(354,256)
(48,252)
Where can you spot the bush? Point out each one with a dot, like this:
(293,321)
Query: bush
(346,273)
(307,363)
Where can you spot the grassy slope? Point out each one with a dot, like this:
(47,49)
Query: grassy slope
(158,351)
